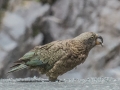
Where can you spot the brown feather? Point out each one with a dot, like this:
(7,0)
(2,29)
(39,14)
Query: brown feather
(58,57)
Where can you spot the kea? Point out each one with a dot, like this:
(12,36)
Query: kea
(58,57)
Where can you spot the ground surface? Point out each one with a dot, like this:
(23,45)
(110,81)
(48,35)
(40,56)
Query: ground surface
(73,84)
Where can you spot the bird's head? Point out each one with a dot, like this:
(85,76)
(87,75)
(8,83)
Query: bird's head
(90,39)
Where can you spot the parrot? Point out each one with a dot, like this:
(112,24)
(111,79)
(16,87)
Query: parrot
(58,57)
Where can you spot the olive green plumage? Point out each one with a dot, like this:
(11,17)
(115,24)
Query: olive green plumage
(58,57)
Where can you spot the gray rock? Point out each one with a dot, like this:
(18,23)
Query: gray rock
(37,40)
(113,72)
(6,43)
(16,35)
(14,25)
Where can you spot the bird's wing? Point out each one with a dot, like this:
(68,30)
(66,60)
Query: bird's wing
(42,55)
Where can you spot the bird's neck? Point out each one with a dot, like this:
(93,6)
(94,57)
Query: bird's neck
(85,44)
(89,47)
(86,47)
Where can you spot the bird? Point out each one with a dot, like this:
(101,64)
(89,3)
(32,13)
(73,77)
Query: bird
(58,57)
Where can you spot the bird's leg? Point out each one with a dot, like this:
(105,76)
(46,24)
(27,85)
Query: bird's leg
(52,79)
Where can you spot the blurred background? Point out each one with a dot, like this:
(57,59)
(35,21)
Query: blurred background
(28,23)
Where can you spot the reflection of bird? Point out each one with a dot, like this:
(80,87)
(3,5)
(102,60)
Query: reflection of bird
(58,57)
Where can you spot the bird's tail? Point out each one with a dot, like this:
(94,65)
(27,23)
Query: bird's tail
(18,67)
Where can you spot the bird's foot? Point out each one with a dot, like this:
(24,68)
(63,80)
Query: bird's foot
(59,80)
(55,80)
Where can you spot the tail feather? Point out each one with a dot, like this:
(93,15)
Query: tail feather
(15,65)
(18,67)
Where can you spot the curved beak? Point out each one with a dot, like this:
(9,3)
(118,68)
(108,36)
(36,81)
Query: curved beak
(99,42)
